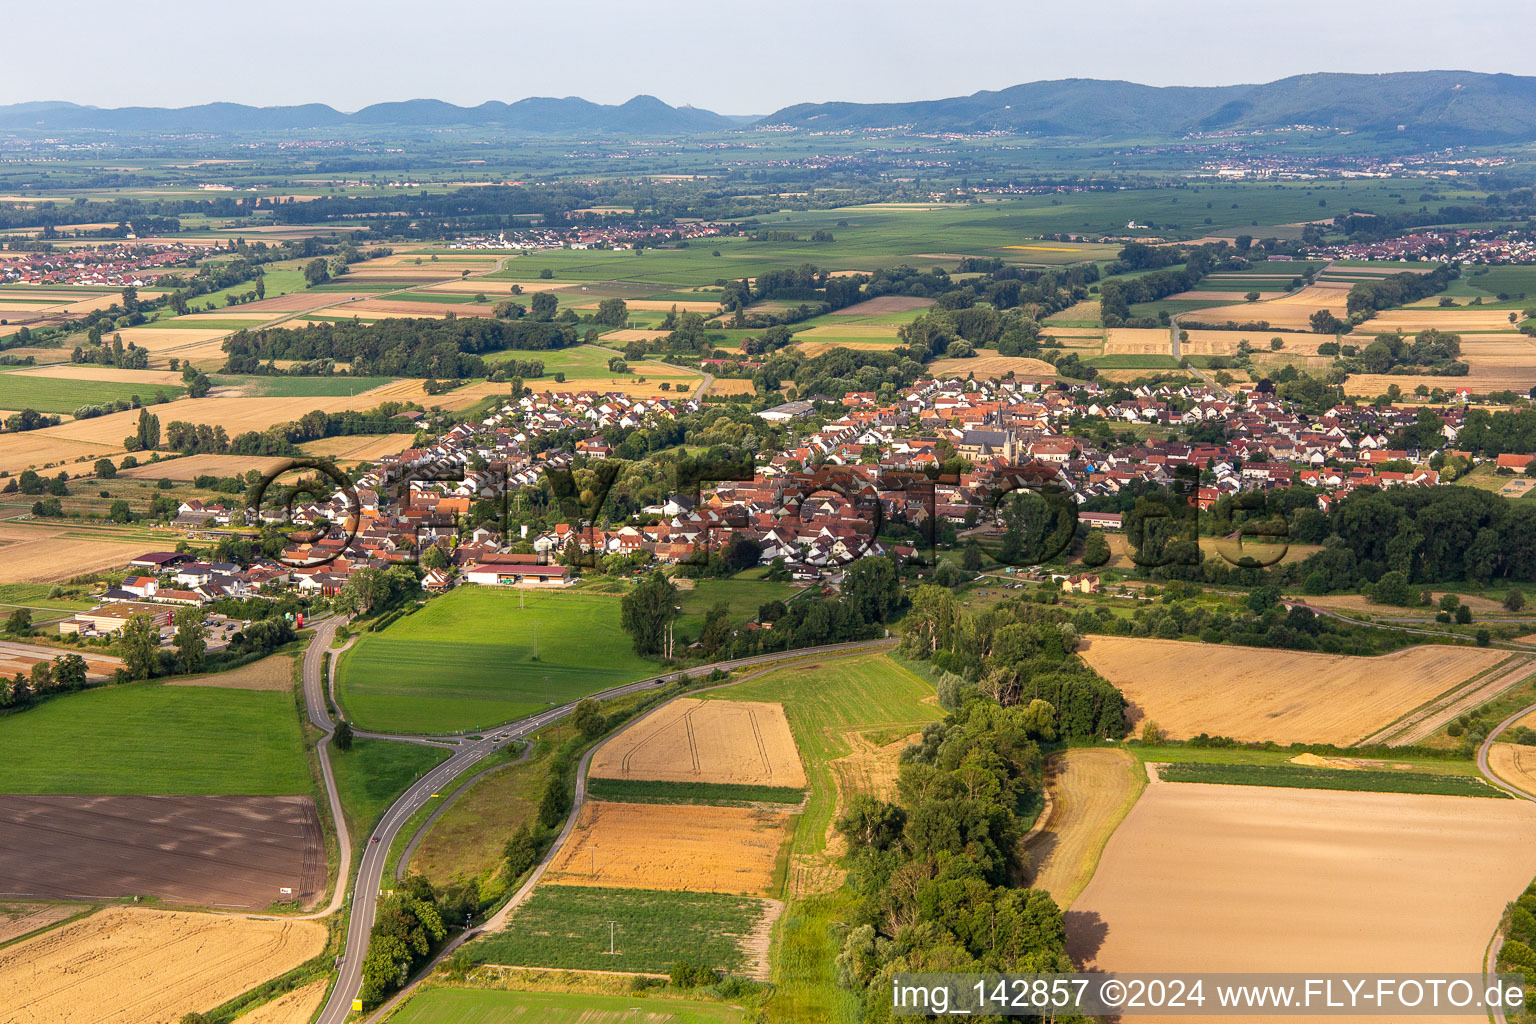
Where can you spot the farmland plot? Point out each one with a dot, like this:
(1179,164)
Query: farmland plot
(1286,696)
(687,740)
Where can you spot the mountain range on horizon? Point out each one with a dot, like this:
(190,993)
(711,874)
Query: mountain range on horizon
(1442,106)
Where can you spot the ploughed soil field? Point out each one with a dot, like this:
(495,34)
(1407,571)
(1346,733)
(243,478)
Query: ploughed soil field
(219,851)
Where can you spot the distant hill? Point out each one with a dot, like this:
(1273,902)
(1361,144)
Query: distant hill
(1431,106)
(643,115)
(1453,105)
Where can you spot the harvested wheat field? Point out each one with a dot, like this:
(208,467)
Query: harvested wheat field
(858,332)
(1239,878)
(17,919)
(884,304)
(1087,311)
(649,388)
(86,371)
(169,341)
(1090,790)
(653,305)
(1361,603)
(1515,763)
(16,657)
(412,391)
(1511,378)
(274,672)
(689,740)
(672,846)
(1137,341)
(1251,693)
(190,467)
(360,447)
(128,965)
(1224,343)
(1292,312)
(989,364)
(410,308)
(812,349)
(624,337)
(732,386)
(295,1007)
(49,554)
(1411,321)
(1220,298)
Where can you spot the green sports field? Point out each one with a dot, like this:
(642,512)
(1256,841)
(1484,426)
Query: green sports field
(65,395)
(478,1006)
(467,660)
(154,739)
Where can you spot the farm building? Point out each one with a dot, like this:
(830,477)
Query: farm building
(508,575)
(109,618)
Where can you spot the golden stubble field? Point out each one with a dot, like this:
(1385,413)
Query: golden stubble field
(49,554)
(688,740)
(1090,791)
(1239,878)
(1290,312)
(1251,693)
(131,965)
(677,847)
(987,363)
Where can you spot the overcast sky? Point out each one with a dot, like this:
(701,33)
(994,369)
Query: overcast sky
(727,55)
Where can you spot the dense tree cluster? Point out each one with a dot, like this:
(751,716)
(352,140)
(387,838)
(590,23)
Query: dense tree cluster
(393,348)
(1397,290)
(1014,653)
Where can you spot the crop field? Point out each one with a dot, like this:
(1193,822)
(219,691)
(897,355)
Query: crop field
(688,740)
(1455,321)
(220,851)
(45,554)
(472,1006)
(987,363)
(1353,779)
(689,848)
(1513,378)
(1137,341)
(1289,313)
(274,672)
(1515,763)
(18,919)
(1369,882)
(568,926)
(151,739)
(474,658)
(839,710)
(295,1007)
(16,658)
(64,395)
(576,361)
(1251,693)
(362,447)
(1091,790)
(649,791)
(129,965)
(190,467)
(277,386)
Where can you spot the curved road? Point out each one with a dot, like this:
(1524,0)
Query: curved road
(467,753)
(1491,959)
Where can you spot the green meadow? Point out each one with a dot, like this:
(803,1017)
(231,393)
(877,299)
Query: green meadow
(476,657)
(479,1006)
(65,395)
(155,739)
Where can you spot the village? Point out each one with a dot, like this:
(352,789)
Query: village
(863,477)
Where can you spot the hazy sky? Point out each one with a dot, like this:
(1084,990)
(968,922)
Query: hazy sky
(731,56)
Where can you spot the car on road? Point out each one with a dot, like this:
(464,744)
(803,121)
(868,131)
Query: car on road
(374,839)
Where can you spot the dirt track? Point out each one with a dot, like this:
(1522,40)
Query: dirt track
(218,851)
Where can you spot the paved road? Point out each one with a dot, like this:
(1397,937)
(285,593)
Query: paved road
(1491,959)
(467,753)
